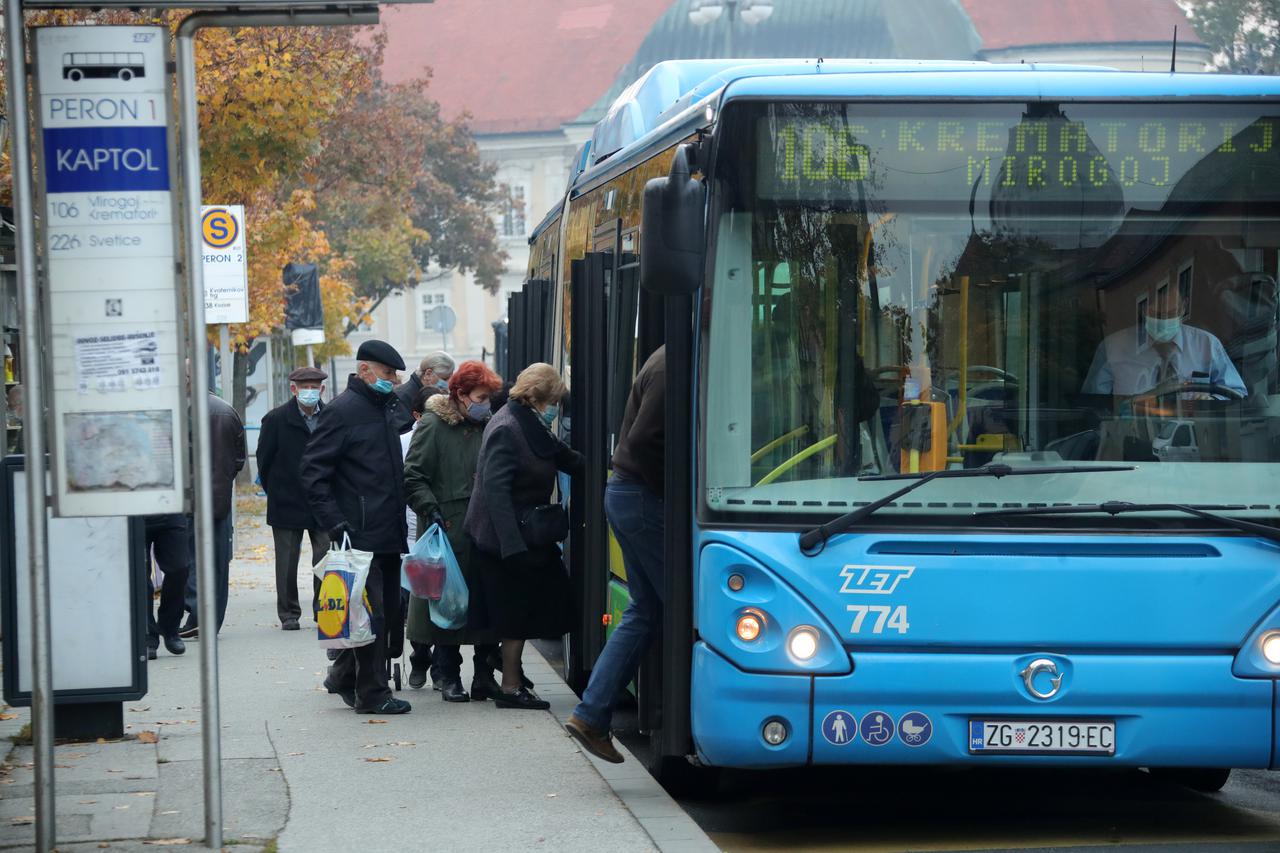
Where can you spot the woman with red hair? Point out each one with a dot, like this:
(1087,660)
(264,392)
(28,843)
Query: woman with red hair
(439,473)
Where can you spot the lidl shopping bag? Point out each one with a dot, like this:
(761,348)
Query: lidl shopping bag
(343,620)
(422,570)
(448,609)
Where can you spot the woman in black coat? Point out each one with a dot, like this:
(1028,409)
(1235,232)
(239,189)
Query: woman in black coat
(524,589)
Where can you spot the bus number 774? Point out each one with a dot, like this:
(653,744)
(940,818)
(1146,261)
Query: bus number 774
(887,616)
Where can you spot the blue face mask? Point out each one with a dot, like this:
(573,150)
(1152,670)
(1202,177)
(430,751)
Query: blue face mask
(308,396)
(383,386)
(549,416)
(442,385)
(479,412)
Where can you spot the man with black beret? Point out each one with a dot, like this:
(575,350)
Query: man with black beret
(285,432)
(353,477)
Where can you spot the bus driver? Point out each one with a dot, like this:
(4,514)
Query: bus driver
(1128,362)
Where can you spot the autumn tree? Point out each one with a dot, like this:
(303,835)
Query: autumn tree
(1243,34)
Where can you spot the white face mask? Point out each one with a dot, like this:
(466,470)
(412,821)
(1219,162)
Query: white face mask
(1163,330)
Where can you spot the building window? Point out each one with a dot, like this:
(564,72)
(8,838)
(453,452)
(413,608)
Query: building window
(513,211)
(1184,284)
(428,303)
(1141,325)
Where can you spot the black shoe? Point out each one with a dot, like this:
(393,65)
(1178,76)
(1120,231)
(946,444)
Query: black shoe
(418,678)
(348,694)
(451,690)
(494,662)
(189,631)
(485,687)
(391,705)
(152,652)
(290,625)
(523,699)
(437,684)
(175,646)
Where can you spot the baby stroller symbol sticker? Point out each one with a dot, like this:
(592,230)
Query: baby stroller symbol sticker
(877,728)
(840,728)
(915,729)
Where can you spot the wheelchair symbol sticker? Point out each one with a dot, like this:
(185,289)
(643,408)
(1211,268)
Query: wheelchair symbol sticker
(840,728)
(877,728)
(915,729)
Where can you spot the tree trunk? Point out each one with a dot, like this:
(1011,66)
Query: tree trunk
(239,394)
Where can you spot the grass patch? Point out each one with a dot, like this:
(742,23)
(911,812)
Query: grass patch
(23,737)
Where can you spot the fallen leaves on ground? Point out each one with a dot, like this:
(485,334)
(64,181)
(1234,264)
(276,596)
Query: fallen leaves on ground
(377,722)
(379,760)
(167,842)
(22,820)
(8,716)
(148,737)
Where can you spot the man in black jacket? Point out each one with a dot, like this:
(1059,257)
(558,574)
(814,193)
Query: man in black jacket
(285,432)
(226,433)
(353,476)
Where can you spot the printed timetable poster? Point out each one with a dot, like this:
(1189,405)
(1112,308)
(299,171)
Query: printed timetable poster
(118,413)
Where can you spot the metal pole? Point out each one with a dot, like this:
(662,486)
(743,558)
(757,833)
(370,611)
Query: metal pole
(224,355)
(33,432)
(202,476)
(310,361)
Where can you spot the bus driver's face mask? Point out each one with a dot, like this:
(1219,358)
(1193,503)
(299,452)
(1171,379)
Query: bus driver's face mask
(1163,329)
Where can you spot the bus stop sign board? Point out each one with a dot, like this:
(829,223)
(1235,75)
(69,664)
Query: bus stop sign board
(118,422)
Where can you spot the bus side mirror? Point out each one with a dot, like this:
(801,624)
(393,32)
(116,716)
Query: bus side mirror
(672,230)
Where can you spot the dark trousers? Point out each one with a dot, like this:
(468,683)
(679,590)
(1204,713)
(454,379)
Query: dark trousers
(222,531)
(288,550)
(167,540)
(365,668)
(447,661)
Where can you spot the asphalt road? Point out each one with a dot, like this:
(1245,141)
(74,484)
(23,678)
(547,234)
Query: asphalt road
(929,809)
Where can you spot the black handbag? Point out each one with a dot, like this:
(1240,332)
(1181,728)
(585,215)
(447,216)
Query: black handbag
(544,526)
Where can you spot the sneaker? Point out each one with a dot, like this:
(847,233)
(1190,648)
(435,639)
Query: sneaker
(175,646)
(523,699)
(390,705)
(598,744)
(189,631)
(348,694)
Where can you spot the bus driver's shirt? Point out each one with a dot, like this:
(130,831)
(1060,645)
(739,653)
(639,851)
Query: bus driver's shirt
(1123,367)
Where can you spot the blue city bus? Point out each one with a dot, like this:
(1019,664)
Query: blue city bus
(973,431)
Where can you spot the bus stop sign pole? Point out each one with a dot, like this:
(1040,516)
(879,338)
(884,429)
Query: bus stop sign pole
(33,390)
(203,474)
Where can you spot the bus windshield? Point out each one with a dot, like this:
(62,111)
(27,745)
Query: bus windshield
(903,288)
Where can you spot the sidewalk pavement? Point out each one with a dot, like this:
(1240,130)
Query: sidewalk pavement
(301,772)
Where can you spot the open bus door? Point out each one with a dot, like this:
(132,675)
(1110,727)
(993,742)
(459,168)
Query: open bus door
(528,337)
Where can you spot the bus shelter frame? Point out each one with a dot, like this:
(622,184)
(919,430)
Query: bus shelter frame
(282,15)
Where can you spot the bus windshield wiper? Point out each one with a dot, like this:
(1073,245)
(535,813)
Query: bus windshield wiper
(819,535)
(1210,512)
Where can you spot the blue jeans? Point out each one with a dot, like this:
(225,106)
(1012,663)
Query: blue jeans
(636,516)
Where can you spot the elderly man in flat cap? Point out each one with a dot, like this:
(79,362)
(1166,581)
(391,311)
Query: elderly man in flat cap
(353,477)
(285,432)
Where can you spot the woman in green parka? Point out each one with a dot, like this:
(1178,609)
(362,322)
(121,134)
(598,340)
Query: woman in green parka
(439,473)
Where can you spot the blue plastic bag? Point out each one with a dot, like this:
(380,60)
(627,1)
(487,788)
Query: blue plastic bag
(449,612)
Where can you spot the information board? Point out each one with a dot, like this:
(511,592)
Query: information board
(226,276)
(97,576)
(112,308)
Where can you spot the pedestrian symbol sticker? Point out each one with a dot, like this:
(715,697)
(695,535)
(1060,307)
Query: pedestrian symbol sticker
(915,729)
(877,728)
(840,728)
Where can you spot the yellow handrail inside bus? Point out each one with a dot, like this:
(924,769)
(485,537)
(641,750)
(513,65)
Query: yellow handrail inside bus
(962,401)
(811,450)
(782,439)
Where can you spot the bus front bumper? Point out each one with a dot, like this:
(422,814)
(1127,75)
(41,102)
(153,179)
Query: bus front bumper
(1168,710)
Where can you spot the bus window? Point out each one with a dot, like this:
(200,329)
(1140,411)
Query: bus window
(909,287)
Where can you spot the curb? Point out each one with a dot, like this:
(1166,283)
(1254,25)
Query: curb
(668,826)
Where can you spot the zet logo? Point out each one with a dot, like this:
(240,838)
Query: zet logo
(332,616)
(219,227)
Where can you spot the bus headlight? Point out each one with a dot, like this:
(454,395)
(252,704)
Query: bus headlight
(749,626)
(803,642)
(1271,648)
